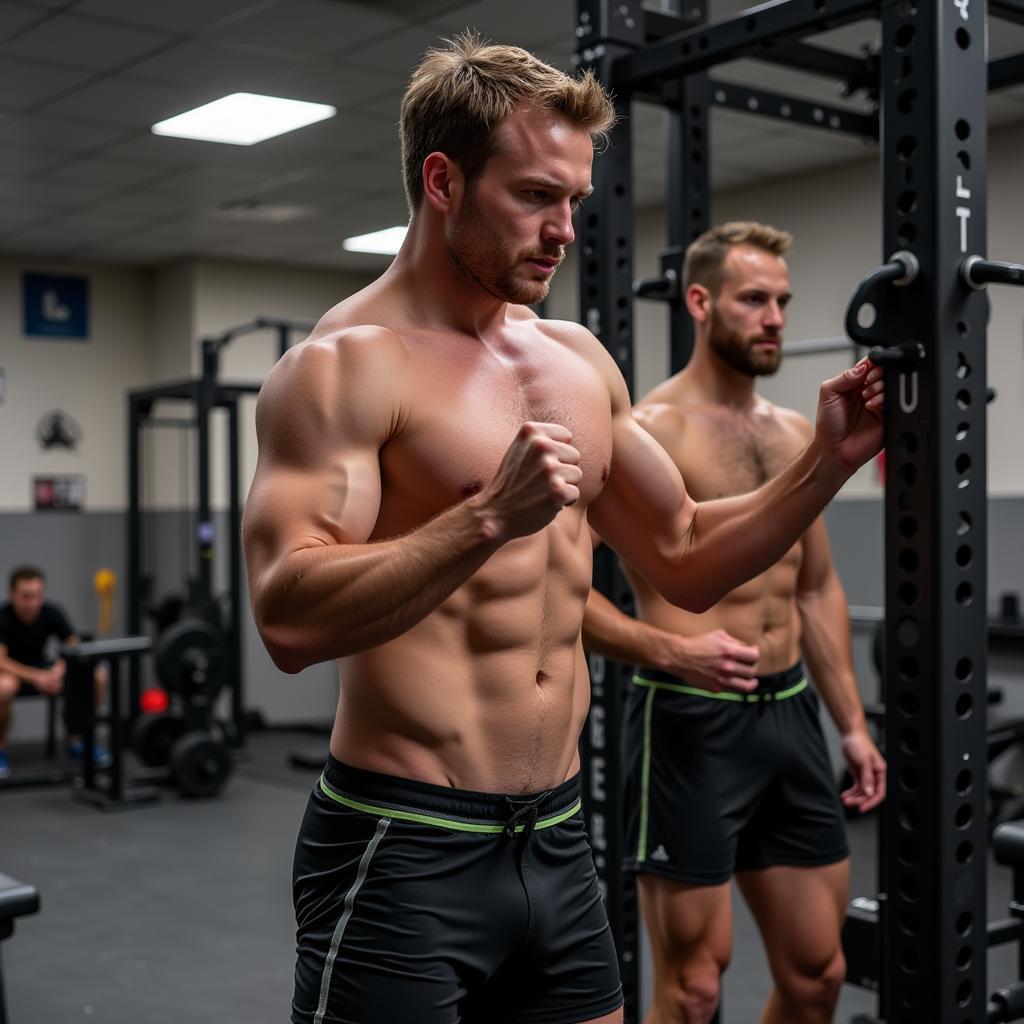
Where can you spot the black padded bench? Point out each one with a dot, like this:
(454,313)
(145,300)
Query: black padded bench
(17,899)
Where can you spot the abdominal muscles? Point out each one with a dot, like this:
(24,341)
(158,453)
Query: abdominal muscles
(490,691)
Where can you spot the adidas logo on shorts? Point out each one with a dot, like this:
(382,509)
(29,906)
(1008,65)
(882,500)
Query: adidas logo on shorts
(659,854)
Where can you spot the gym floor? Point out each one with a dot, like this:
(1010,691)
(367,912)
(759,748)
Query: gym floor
(181,910)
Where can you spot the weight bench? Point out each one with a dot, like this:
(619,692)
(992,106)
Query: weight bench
(16,900)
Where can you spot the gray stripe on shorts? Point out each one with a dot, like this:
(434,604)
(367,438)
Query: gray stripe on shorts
(350,899)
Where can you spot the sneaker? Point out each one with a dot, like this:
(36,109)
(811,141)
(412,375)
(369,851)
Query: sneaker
(100,757)
(5,769)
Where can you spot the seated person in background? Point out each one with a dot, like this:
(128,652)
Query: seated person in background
(27,624)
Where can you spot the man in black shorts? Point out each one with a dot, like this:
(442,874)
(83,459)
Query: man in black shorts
(29,624)
(428,463)
(730,770)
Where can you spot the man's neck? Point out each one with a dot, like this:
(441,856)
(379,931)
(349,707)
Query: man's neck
(718,383)
(441,293)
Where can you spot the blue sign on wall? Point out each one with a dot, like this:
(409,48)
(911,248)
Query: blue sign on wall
(56,306)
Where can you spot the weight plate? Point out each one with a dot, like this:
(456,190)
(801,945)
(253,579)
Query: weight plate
(200,764)
(192,660)
(154,735)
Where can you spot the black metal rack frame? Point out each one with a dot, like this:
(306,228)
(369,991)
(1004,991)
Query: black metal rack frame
(205,394)
(930,81)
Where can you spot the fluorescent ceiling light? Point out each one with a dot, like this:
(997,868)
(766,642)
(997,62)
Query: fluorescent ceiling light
(243,118)
(386,241)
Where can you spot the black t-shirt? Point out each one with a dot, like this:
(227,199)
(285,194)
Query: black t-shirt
(27,644)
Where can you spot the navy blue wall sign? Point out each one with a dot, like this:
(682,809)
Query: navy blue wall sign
(56,306)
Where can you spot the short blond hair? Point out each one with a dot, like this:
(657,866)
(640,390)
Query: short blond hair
(461,92)
(704,261)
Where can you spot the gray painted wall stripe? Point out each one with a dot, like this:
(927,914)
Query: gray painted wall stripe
(350,899)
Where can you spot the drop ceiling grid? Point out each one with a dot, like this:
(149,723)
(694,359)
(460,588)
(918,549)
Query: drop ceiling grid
(81,83)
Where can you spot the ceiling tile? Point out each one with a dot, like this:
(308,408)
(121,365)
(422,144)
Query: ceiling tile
(140,207)
(201,187)
(387,108)
(24,84)
(560,57)
(55,240)
(309,27)
(57,134)
(334,186)
(525,23)
(411,10)
(194,232)
(374,214)
(373,264)
(24,162)
(105,176)
(54,198)
(15,19)
(334,81)
(14,215)
(179,16)
(130,252)
(257,160)
(91,224)
(44,4)
(215,68)
(344,135)
(399,52)
(84,42)
(312,232)
(124,101)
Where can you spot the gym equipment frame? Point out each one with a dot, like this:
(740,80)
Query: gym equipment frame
(931,81)
(205,393)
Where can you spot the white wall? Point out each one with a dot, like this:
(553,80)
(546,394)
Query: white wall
(86,379)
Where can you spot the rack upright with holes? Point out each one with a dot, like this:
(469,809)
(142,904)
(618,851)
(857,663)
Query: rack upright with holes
(930,81)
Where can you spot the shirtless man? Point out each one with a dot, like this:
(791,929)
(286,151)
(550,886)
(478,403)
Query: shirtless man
(731,771)
(428,462)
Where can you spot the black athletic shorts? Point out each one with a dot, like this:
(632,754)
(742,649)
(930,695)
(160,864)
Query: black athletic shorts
(725,782)
(421,904)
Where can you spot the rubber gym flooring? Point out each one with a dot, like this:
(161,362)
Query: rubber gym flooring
(180,911)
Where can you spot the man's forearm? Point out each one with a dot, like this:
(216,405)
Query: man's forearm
(731,540)
(825,643)
(24,672)
(321,603)
(613,634)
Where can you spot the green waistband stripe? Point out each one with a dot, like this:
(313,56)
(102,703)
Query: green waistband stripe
(739,698)
(451,823)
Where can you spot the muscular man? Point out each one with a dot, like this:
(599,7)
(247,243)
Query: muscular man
(428,462)
(731,771)
(28,622)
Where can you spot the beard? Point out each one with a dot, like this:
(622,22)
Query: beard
(480,257)
(739,353)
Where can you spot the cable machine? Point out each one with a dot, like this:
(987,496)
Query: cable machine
(930,80)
